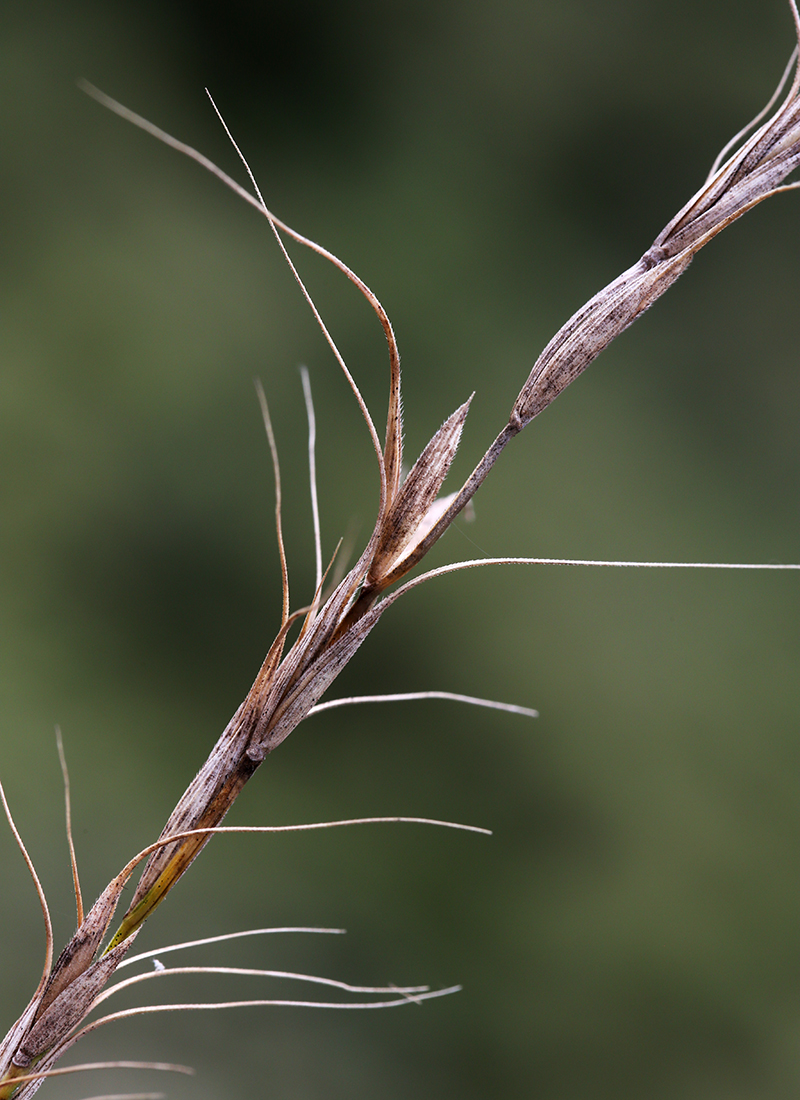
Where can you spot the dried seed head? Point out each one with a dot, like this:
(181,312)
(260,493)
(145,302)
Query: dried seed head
(69,1008)
(414,509)
(411,518)
(753,173)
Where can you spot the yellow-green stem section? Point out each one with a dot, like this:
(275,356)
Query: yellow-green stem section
(135,917)
(9,1084)
(217,800)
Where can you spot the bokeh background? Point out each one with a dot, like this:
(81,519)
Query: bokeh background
(632,928)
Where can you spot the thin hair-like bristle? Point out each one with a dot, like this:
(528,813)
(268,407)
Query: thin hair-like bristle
(255,972)
(745,130)
(129,1096)
(317,316)
(414,696)
(201,1006)
(224,938)
(48,924)
(68,814)
(276,469)
(86,1067)
(475,563)
(312,475)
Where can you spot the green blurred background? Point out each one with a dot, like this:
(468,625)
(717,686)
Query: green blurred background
(632,928)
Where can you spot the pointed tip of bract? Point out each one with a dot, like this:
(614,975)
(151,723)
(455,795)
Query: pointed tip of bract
(415,508)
